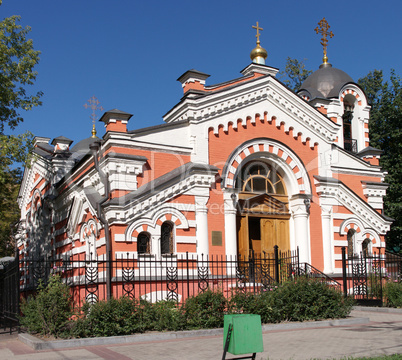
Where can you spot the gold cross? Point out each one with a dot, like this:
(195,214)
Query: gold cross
(258,34)
(322,28)
(93,105)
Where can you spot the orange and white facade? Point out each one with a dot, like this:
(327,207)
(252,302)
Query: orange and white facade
(237,167)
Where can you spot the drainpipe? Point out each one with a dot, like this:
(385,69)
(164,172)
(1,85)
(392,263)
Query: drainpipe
(104,178)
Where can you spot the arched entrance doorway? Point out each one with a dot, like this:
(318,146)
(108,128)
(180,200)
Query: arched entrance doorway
(263,210)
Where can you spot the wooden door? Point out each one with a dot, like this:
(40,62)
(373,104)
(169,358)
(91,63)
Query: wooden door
(242,236)
(274,232)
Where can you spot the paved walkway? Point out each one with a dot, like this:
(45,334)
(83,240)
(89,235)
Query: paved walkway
(382,335)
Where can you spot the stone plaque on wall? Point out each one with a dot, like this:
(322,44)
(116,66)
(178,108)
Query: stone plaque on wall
(216,238)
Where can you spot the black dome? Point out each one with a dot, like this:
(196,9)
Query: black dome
(326,82)
(79,150)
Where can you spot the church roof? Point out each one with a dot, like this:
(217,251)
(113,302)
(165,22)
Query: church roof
(326,82)
(80,149)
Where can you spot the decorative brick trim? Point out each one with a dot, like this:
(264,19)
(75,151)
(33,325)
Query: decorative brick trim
(267,146)
(351,223)
(153,226)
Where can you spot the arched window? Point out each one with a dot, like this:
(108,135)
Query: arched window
(143,243)
(259,177)
(366,247)
(167,238)
(351,240)
(349,143)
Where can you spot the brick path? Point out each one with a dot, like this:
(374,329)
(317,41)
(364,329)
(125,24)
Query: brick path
(383,335)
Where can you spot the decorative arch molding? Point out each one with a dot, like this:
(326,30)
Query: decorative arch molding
(153,226)
(36,200)
(89,235)
(372,236)
(176,217)
(273,151)
(351,223)
(89,228)
(352,89)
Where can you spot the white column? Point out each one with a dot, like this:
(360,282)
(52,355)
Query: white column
(299,205)
(230,225)
(201,219)
(327,239)
(156,245)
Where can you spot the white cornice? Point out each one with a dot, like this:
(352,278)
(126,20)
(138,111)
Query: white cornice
(39,166)
(216,104)
(124,213)
(145,145)
(361,209)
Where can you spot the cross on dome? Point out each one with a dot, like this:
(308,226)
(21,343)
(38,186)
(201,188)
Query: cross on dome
(323,28)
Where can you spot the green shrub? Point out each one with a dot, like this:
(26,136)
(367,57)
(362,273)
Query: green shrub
(260,304)
(309,299)
(163,315)
(393,294)
(125,316)
(109,318)
(242,302)
(50,311)
(205,311)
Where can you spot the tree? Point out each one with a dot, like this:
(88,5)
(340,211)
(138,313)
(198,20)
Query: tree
(295,73)
(17,61)
(385,98)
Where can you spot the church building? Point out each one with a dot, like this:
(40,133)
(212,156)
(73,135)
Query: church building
(236,168)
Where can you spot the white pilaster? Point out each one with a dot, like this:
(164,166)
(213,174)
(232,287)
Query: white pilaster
(299,205)
(156,246)
(201,218)
(230,225)
(327,238)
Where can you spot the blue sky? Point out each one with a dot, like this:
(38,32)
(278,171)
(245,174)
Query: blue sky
(129,53)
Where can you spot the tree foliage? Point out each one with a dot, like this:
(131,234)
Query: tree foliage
(295,73)
(385,98)
(17,61)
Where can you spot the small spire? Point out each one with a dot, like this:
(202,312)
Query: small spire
(322,28)
(93,105)
(258,54)
(93,131)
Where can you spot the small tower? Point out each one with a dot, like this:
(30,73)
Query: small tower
(336,95)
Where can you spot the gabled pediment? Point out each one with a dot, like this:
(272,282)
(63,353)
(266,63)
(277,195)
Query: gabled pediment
(263,204)
(334,188)
(219,108)
(343,161)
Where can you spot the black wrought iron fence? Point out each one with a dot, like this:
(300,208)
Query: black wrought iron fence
(9,295)
(393,266)
(365,274)
(305,269)
(179,277)
(144,277)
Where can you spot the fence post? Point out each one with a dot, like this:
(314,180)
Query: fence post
(276,255)
(17,259)
(109,277)
(345,284)
(188,280)
(380,266)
